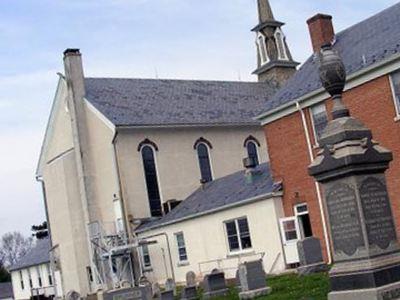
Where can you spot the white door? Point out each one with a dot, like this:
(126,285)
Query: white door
(290,235)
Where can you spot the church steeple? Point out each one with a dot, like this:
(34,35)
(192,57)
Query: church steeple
(274,61)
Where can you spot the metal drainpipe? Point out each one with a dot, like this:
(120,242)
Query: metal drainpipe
(123,206)
(169,250)
(317,187)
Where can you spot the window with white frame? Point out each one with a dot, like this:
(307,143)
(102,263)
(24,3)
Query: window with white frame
(180,240)
(319,120)
(146,257)
(39,276)
(280,45)
(21,280)
(395,80)
(49,274)
(238,234)
(262,48)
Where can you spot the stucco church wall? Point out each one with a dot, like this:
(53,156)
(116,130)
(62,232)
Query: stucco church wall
(177,162)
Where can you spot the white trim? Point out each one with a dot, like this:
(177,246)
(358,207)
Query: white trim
(185,261)
(197,125)
(396,104)
(296,213)
(209,159)
(100,115)
(284,55)
(262,48)
(240,250)
(354,80)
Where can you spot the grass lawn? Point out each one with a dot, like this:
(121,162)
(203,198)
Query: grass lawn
(293,287)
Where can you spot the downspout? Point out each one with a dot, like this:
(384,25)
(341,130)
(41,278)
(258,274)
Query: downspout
(317,187)
(123,204)
(169,250)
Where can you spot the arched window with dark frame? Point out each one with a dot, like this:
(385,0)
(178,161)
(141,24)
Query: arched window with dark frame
(252,151)
(150,172)
(204,162)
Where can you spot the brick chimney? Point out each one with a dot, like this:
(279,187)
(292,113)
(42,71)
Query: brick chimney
(321,30)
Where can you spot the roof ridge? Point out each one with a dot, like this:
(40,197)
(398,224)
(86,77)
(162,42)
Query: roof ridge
(180,80)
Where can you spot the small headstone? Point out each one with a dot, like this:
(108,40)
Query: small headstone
(310,255)
(135,293)
(72,295)
(214,285)
(167,295)
(189,292)
(190,278)
(170,285)
(252,280)
(156,291)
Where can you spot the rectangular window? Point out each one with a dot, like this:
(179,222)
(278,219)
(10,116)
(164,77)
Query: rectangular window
(30,278)
(395,81)
(238,234)
(89,274)
(39,276)
(49,274)
(146,256)
(319,120)
(180,240)
(21,279)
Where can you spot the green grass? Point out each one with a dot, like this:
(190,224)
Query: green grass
(292,287)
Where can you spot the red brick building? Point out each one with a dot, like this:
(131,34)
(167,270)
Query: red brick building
(298,113)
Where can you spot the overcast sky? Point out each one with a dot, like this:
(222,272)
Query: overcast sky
(186,39)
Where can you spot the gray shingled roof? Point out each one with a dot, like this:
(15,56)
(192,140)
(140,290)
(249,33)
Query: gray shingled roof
(6,290)
(39,254)
(360,46)
(225,191)
(148,102)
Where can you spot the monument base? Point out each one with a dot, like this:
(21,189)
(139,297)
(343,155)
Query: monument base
(387,292)
(254,293)
(314,268)
(222,292)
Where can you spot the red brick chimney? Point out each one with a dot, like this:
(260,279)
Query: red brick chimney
(321,30)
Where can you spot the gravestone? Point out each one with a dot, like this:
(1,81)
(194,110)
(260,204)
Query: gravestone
(189,292)
(214,285)
(351,167)
(310,255)
(190,278)
(156,291)
(167,295)
(169,292)
(252,280)
(135,293)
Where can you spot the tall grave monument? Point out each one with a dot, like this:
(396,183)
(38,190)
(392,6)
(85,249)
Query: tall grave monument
(351,167)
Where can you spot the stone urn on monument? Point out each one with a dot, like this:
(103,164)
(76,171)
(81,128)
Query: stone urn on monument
(351,167)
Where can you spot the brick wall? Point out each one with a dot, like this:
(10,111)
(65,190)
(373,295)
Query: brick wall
(372,103)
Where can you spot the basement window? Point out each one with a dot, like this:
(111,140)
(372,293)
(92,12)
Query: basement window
(395,83)
(319,119)
(238,234)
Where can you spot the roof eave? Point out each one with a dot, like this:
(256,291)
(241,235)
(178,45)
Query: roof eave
(353,80)
(266,196)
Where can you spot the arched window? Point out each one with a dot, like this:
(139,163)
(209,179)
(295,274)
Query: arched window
(204,162)
(262,48)
(252,151)
(150,172)
(280,45)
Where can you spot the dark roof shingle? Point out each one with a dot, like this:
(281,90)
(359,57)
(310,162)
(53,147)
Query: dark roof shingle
(39,254)
(147,102)
(360,46)
(225,191)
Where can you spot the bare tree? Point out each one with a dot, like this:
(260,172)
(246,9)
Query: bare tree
(14,245)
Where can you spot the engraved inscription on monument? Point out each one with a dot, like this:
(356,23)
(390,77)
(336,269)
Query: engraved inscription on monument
(344,218)
(377,213)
